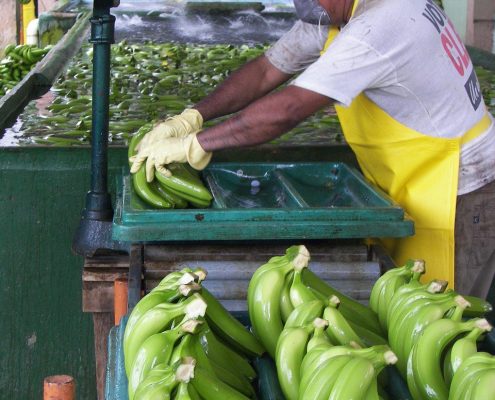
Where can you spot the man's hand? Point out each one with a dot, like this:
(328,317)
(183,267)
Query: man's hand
(181,125)
(170,150)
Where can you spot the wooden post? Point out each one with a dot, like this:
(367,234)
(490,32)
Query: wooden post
(59,387)
(120,299)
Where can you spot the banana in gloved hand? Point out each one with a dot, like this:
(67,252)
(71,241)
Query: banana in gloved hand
(168,151)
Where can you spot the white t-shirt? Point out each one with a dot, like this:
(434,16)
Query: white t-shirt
(407,58)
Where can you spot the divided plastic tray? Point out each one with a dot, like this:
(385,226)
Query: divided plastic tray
(268,201)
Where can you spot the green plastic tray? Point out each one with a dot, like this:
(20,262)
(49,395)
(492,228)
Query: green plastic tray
(268,201)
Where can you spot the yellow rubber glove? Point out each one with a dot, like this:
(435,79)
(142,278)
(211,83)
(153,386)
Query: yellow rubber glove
(170,150)
(189,121)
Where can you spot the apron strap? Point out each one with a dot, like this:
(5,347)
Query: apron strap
(477,130)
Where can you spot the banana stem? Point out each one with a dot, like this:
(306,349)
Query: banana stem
(186,290)
(185,371)
(461,305)
(418,267)
(191,325)
(196,308)
(320,323)
(186,278)
(301,260)
(201,274)
(437,286)
(482,325)
(333,301)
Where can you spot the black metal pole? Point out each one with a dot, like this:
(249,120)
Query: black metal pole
(94,231)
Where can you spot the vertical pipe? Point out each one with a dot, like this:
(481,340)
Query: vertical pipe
(94,230)
(119,299)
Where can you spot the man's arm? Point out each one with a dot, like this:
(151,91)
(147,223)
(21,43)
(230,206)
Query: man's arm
(264,119)
(245,85)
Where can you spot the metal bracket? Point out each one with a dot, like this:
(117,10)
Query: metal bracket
(102,29)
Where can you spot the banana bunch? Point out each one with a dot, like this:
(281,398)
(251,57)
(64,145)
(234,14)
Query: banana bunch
(180,326)
(16,64)
(166,381)
(343,372)
(284,293)
(314,332)
(474,379)
(425,377)
(385,287)
(184,187)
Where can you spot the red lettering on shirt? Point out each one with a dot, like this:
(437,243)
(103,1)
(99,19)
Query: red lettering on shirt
(448,47)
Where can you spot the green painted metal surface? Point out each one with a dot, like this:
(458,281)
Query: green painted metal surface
(267,201)
(43,330)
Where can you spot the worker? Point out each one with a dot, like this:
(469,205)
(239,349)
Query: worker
(410,106)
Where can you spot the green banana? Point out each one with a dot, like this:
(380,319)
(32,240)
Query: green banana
(313,361)
(369,338)
(157,349)
(264,296)
(151,300)
(158,319)
(400,302)
(425,370)
(291,348)
(339,330)
(382,282)
(320,384)
(468,370)
(391,285)
(182,350)
(184,374)
(466,346)
(222,354)
(372,392)
(320,338)
(317,356)
(298,291)
(447,371)
(185,276)
(354,380)
(484,387)
(226,375)
(350,308)
(305,313)
(185,391)
(210,387)
(407,290)
(286,306)
(159,384)
(478,307)
(403,337)
(229,328)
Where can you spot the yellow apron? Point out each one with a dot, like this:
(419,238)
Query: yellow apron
(419,172)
